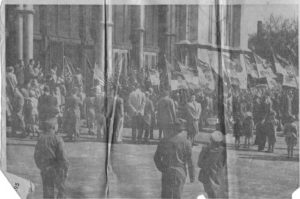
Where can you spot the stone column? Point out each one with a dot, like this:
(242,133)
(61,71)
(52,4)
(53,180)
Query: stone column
(29,12)
(20,31)
(137,36)
(44,27)
(170,32)
(108,39)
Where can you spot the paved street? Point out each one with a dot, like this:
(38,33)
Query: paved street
(251,174)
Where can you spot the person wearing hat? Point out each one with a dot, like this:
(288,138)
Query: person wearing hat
(248,126)
(172,156)
(50,158)
(212,162)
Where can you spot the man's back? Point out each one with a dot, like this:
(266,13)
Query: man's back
(137,100)
(166,110)
(174,152)
(49,152)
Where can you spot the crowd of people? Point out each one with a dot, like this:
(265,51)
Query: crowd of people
(41,101)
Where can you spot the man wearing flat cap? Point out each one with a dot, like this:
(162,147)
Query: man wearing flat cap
(172,158)
(50,158)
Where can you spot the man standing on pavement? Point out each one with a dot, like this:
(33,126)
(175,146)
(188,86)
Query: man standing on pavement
(18,123)
(137,101)
(193,111)
(166,113)
(50,158)
(72,117)
(172,155)
(47,106)
(153,98)
(148,113)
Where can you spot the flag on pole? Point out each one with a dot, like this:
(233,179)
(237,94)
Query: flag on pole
(263,68)
(67,69)
(213,60)
(204,69)
(248,60)
(235,69)
(278,67)
(290,79)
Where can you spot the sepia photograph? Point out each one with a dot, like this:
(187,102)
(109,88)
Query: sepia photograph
(117,99)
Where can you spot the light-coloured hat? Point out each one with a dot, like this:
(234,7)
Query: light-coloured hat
(217,136)
(248,114)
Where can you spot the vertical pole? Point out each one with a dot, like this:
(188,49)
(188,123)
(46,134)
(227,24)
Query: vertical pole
(20,31)
(29,32)
(109,47)
(220,76)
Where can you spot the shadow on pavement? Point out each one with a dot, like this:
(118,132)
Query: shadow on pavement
(271,158)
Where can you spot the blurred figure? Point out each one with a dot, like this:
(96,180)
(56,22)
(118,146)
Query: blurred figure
(31,114)
(193,112)
(90,111)
(19,71)
(72,116)
(291,135)
(148,112)
(17,103)
(11,82)
(166,113)
(237,132)
(50,158)
(248,126)
(261,135)
(137,101)
(172,158)
(47,106)
(29,71)
(212,162)
(270,128)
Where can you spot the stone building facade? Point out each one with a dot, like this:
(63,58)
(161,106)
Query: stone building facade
(96,35)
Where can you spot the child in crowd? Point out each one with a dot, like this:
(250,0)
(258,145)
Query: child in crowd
(248,126)
(32,114)
(212,162)
(291,134)
(237,132)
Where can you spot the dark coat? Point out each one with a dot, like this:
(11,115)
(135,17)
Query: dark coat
(148,112)
(212,161)
(166,112)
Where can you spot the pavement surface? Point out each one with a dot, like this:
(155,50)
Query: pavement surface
(133,174)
